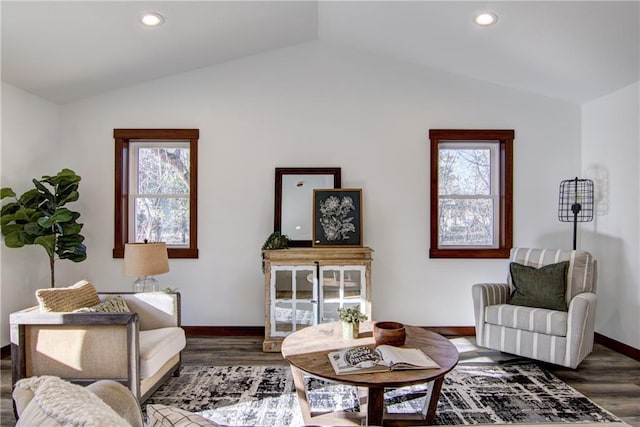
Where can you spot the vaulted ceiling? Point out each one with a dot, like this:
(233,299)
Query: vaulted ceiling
(574,50)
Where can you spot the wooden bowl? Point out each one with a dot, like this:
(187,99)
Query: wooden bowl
(390,333)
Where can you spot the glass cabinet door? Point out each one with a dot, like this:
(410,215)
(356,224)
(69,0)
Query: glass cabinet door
(294,303)
(341,287)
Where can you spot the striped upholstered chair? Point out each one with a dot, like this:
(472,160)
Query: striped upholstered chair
(549,335)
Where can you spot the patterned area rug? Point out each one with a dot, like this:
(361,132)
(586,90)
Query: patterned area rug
(264,396)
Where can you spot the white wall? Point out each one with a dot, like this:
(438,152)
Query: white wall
(320,105)
(610,156)
(29,139)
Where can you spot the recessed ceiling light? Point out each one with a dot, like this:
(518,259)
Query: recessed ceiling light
(486,18)
(152,19)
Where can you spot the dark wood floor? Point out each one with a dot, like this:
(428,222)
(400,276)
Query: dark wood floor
(606,377)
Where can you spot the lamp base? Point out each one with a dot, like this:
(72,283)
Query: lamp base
(146,284)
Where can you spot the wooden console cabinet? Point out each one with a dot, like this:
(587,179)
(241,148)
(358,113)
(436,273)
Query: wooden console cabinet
(307,286)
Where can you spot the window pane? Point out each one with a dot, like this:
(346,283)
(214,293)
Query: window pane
(464,171)
(162,220)
(163,170)
(466,222)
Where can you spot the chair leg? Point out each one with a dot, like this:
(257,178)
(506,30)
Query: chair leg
(176,373)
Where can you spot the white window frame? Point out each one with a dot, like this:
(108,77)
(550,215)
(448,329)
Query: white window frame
(134,147)
(494,189)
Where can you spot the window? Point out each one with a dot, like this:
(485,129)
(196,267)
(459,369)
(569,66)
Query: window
(156,189)
(471,193)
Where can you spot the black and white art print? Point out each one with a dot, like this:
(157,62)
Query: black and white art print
(337,217)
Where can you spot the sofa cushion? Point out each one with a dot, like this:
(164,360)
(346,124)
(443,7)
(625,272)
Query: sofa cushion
(157,346)
(82,294)
(166,416)
(58,403)
(155,309)
(549,322)
(543,287)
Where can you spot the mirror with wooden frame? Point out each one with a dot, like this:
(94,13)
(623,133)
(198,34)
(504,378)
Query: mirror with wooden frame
(294,200)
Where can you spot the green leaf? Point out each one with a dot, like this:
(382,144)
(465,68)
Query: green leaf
(68,195)
(45,222)
(11,228)
(13,240)
(77,254)
(47,242)
(60,215)
(70,240)
(64,177)
(34,229)
(6,219)
(24,214)
(74,216)
(71,228)
(31,198)
(9,208)
(6,192)
(47,193)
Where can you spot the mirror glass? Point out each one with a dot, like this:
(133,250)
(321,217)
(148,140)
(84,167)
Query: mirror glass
(294,200)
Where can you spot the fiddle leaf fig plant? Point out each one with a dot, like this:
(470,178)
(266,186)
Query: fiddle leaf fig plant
(38,217)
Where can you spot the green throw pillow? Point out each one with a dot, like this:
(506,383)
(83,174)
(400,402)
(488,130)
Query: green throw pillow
(543,287)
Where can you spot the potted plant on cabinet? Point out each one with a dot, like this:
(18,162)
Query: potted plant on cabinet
(38,217)
(351,318)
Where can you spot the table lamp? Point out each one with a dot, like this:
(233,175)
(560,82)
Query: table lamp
(145,260)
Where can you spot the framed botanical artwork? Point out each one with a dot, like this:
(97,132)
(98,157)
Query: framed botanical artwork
(337,217)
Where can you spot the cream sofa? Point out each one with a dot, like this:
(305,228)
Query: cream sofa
(140,348)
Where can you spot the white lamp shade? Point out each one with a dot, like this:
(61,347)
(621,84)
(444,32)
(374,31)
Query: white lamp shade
(145,259)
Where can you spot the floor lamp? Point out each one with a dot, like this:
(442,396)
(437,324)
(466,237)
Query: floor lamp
(576,203)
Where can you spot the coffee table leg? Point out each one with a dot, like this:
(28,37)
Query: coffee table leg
(375,406)
(431,403)
(298,381)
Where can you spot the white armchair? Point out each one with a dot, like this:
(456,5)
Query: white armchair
(140,349)
(559,337)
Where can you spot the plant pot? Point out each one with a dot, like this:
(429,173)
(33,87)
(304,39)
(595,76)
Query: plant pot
(350,330)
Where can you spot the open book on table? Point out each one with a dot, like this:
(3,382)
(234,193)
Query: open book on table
(384,358)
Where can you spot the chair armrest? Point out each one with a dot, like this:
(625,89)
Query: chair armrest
(33,316)
(486,294)
(120,399)
(69,345)
(491,293)
(156,309)
(580,327)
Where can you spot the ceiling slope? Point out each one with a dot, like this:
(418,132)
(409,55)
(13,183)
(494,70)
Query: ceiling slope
(63,51)
(574,50)
(571,50)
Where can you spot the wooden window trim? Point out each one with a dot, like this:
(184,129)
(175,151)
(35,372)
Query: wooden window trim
(123,138)
(505,228)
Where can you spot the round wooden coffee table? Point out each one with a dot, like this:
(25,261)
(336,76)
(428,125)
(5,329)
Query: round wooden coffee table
(306,351)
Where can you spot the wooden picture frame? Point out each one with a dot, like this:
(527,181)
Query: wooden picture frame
(337,217)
